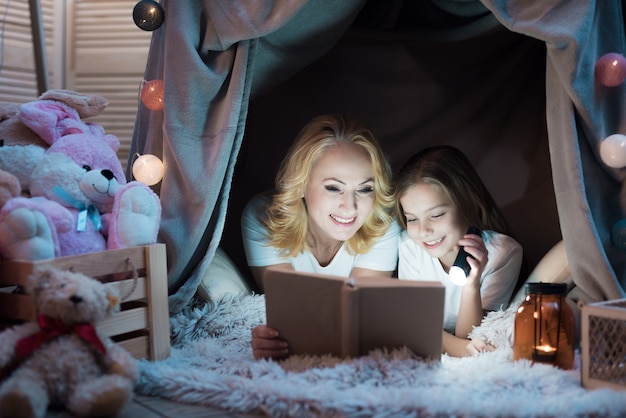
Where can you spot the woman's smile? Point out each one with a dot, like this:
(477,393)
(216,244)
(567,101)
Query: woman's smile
(343,221)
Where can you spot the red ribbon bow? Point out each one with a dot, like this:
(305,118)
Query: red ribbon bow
(51,328)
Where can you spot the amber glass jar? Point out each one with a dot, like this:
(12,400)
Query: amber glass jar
(545,331)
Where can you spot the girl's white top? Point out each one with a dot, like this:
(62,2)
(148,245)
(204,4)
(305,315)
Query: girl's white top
(497,282)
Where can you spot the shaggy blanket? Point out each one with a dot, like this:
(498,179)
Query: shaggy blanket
(212,364)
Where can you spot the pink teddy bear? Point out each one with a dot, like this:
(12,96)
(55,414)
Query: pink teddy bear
(80,200)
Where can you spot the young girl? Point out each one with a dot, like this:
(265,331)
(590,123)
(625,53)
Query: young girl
(331,212)
(440,196)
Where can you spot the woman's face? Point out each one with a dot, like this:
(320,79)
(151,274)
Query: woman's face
(433,221)
(340,193)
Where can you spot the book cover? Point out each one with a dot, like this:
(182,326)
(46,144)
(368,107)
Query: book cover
(348,317)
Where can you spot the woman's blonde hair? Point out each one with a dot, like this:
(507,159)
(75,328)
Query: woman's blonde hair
(286,219)
(449,169)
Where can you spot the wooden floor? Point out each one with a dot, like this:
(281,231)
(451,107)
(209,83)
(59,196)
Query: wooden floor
(146,407)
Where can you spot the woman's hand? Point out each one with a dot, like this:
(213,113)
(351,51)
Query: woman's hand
(267,344)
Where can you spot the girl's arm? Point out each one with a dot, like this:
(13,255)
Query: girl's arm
(460,347)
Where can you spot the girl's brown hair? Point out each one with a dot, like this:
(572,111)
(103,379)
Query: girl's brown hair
(448,168)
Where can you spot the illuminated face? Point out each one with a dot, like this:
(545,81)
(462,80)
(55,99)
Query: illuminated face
(433,221)
(340,194)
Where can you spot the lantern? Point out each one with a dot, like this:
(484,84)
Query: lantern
(544,326)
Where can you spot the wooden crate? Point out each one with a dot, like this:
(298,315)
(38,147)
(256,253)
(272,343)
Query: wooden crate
(139,273)
(603,345)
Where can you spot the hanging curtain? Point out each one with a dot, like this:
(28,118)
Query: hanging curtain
(212,55)
(581,113)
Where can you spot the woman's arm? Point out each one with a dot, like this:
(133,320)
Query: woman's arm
(259,255)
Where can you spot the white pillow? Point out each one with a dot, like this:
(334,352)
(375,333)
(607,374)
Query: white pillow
(222,278)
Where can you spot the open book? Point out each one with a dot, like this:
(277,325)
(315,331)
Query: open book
(348,317)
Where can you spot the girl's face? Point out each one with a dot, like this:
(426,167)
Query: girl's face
(340,193)
(433,221)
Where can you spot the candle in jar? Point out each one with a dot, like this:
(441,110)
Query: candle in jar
(548,349)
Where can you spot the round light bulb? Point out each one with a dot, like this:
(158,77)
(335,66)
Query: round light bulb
(618,234)
(152,94)
(610,69)
(148,169)
(613,151)
(148,15)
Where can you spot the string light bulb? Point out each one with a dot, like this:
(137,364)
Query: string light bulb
(148,169)
(152,94)
(148,15)
(613,151)
(610,69)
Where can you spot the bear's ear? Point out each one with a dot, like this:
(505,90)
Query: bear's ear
(51,120)
(8,110)
(99,132)
(39,280)
(86,105)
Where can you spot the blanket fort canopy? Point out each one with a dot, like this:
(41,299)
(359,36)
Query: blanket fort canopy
(216,57)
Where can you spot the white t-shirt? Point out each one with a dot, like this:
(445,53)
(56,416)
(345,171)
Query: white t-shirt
(497,282)
(382,257)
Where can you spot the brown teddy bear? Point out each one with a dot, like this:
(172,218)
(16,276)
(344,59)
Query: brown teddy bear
(61,359)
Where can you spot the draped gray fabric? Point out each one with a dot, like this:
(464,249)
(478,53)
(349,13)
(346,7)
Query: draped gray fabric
(242,77)
(580,114)
(210,54)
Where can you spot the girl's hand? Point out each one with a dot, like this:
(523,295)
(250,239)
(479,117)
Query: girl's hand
(476,347)
(475,246)
(267,344)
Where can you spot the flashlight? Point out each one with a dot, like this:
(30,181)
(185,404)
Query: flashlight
(461,268)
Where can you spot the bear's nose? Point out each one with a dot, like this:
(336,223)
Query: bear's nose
(108,174)
(76,299)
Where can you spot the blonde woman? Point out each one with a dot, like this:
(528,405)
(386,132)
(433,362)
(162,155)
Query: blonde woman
(331,212)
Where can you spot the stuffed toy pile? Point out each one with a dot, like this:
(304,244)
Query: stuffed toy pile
(63,190)
(61,360)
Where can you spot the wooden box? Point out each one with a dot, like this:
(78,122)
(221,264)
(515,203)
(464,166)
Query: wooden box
(139,273)
(603,345)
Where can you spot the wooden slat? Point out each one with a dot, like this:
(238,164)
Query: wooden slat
(137,347)
(158,311)
(124,322)
(150,288)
